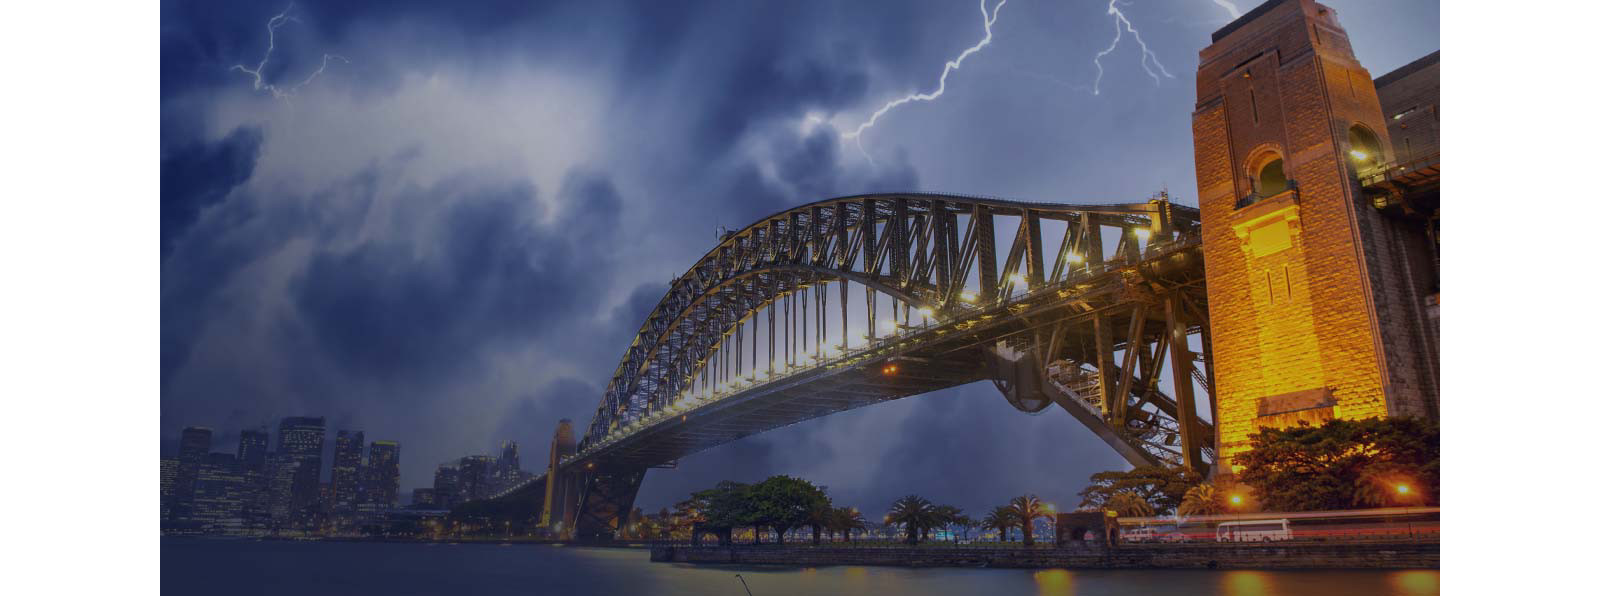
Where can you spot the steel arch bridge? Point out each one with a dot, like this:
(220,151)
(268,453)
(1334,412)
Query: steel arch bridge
(856,300)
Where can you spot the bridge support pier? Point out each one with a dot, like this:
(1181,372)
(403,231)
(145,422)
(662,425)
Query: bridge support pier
(605,498)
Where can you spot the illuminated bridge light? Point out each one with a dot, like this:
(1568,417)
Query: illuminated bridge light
(1074,258)
(969,296)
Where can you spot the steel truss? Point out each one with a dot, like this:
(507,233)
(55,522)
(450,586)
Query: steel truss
(1045,320)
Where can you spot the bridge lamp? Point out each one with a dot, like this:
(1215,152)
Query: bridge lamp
(969,296)
(1075,258)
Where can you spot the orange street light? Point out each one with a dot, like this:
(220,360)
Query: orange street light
(1403,489)
(1236,499)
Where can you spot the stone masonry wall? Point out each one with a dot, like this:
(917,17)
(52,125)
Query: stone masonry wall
(1329,309)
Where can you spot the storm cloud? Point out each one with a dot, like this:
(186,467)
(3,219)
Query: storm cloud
(450,240)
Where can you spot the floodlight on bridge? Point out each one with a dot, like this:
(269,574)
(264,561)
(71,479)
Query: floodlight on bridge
(1075,258)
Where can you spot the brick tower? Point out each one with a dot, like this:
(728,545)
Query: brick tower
(1316,296)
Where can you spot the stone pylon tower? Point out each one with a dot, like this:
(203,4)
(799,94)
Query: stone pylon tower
(1316,297)
(560,491)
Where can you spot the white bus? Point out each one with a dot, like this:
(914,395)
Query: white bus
(1256,530)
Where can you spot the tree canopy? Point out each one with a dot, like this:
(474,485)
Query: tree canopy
(1162,488)
(1344,464)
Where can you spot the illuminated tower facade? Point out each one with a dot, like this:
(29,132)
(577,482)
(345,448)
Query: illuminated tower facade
(560,491)
(1317,296)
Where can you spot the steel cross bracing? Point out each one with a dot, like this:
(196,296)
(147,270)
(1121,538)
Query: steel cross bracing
(934,296)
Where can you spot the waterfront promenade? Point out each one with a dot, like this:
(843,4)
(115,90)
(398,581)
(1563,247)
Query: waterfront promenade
(1340,555)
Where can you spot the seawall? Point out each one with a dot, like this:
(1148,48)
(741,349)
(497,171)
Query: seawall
(1232,556)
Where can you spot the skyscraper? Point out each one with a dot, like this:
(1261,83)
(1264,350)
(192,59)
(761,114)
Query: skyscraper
(475,479)
(194,445)
(446,481)
(347,471)
(300,442)
(507,469)
(383,474)
(169,478)
(253,450)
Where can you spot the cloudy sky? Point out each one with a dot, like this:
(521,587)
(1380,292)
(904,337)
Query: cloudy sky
(442,224)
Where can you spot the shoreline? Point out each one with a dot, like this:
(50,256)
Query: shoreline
(1358,556)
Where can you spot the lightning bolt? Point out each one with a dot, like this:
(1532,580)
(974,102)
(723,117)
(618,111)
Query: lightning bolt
(988,36)
(1233,9)
(272,34)
(1122,22)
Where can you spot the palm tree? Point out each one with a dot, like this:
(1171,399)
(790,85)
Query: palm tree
(1203,499)
(1128,504)
(944,516)
(847,520)
(1028,508)
(1001,519)
(914,513)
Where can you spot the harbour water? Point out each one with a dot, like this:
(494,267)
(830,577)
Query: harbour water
(207,566)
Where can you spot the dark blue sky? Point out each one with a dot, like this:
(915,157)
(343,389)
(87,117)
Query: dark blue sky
(449,237)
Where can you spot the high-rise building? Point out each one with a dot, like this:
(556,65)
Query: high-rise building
(476,478)
(347,470)
(300,442)
(1316,288)
(222,494)
(169,478)
(253,450)
(194,446)
(507,468)
(383,474)
(422,498)
(281,472)
(446,484)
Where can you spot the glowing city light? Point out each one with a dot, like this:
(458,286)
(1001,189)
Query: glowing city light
(1236,499)
(1402,489)
(1358,154)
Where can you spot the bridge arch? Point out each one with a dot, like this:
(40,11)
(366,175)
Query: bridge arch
(1074,305)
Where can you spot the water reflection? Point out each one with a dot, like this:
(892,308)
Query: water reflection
(1416,583)
(1245,583)
(1053,582)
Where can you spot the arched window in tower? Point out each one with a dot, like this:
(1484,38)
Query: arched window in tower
(1366,151)
(1270,179)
